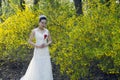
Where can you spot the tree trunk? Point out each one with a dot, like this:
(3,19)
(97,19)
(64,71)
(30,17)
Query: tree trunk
(78,6)
(0,10)
(22,4)
(35,2)
(0,3)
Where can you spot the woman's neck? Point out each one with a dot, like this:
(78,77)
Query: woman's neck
(41,29)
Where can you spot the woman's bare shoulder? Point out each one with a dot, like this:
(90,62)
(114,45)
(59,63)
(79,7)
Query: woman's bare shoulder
(35,29)
(46,30)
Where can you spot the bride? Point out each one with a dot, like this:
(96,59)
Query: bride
(40,66)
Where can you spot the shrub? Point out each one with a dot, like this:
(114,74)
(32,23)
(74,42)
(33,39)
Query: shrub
(89,38)
(15,33)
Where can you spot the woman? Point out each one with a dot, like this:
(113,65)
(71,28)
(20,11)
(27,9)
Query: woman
(40,66)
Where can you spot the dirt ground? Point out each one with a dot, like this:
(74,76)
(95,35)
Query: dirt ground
(14,71)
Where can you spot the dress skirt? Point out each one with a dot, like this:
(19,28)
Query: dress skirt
(40,67)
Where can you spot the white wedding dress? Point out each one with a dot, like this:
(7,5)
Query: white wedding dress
(40,66)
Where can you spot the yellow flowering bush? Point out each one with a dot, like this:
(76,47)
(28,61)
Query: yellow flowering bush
(14,34)
(92,38)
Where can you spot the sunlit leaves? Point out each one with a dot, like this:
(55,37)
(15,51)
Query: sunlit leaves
(83,38)
(15,33)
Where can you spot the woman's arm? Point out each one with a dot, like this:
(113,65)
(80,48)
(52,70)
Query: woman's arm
(48,42)
(30,41)
(49,39)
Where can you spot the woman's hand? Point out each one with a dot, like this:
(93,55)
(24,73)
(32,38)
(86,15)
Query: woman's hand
(41,46)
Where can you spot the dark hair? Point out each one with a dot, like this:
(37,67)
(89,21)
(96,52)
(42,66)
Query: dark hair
(41,18)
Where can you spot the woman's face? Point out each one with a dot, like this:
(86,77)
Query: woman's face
(42,24)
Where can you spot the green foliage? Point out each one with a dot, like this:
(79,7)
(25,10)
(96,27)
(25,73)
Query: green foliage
(80,40)
(8,9)
(15,33)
